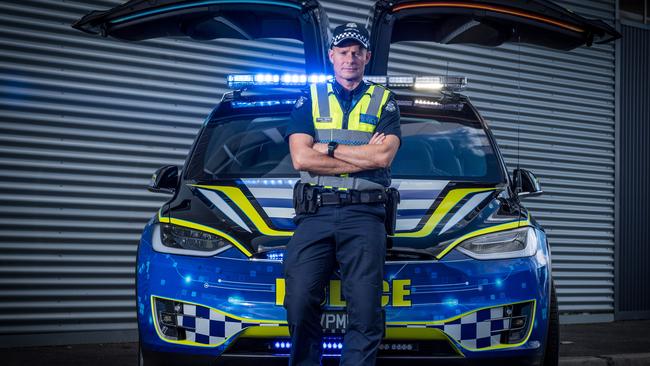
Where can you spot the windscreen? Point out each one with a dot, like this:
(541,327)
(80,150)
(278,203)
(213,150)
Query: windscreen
(432,148)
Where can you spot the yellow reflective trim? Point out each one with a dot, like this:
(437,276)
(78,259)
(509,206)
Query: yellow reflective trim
(237,196)
(449,202)
(487,230)
(195,226)
(419,334)
(258,331)
(335,109)
(354,123)
(335,112)
(354,119)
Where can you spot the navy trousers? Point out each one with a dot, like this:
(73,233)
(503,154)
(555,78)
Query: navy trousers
(353,236)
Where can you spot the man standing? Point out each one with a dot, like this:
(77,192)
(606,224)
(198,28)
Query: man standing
(343,137)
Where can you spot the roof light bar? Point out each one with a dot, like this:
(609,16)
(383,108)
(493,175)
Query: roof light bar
(425,83)
(262,103)
(239,81)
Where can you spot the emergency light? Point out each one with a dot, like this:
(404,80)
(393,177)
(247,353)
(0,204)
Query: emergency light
(239,81)
(424,83)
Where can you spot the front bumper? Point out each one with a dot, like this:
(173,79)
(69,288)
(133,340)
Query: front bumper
(455,309)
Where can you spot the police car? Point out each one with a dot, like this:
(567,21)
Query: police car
(468,276)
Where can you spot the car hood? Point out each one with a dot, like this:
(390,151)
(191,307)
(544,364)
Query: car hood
(433,215)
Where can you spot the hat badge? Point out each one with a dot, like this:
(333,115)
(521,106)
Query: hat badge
(351,25)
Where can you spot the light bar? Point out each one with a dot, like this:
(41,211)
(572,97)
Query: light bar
(435,104)
(262,103)
(239,81)
(424,83)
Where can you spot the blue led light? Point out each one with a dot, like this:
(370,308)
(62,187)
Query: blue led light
(188,279)
(275,255)
(238,81)
(499,282)
(262,103)
(277,344)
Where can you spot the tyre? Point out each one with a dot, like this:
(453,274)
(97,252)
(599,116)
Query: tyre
(552,349)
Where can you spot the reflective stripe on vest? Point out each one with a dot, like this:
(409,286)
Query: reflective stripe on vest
(328,125)
(362,119)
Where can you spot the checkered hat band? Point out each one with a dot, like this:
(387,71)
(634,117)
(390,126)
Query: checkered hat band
(350,35)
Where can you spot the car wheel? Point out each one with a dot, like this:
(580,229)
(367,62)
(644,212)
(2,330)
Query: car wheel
(552,350)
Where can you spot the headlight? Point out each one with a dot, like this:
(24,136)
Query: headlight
(500,245)
(168,238)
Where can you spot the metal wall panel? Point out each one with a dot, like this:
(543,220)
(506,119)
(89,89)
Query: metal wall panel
(85,121)
(634,244)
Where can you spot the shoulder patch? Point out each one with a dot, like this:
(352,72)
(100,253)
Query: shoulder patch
(390,106)
(299,102)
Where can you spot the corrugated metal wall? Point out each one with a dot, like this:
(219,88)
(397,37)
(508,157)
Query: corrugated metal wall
(560,107)
(634,243)
(85,121)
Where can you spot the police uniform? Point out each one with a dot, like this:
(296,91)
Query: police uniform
(350,237)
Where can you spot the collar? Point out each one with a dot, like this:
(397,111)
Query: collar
(341,91)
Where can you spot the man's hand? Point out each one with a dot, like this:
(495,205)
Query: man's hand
(307,156)
(378,153)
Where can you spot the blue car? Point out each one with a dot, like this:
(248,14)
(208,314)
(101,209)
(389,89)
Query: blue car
(468,272)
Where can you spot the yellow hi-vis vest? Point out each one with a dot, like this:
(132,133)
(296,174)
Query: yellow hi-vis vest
(328,125)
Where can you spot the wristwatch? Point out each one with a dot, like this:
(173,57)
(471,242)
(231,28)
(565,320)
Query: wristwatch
(331,147)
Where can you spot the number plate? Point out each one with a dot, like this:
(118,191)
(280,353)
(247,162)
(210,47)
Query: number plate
(334,321)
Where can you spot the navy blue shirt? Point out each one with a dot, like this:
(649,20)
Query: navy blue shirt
(302,122)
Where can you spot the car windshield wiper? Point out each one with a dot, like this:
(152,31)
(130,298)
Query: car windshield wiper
(406,254)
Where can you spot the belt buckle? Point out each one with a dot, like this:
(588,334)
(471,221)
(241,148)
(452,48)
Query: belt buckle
(344,197)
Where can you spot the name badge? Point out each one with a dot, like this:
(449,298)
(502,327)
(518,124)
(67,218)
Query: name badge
(324,119)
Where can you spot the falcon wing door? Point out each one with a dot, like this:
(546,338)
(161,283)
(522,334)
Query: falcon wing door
(481,22)
(205,20)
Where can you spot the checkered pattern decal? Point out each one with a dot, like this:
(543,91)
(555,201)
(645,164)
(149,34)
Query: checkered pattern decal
(480,329)
(207,326)
(477,330)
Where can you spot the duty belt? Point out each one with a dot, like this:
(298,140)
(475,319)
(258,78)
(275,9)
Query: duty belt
(325,198)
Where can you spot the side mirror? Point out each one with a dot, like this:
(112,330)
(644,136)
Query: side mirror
(525,184)
(164,180)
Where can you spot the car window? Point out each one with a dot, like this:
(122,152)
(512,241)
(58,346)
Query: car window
(432,148)
(445,148)
(243,148)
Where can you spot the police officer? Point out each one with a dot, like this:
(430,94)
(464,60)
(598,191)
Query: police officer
(343,136)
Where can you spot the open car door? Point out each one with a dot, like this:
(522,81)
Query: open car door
(303,20)
(481,22)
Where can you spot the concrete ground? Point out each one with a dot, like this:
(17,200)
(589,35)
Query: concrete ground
(607,344)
